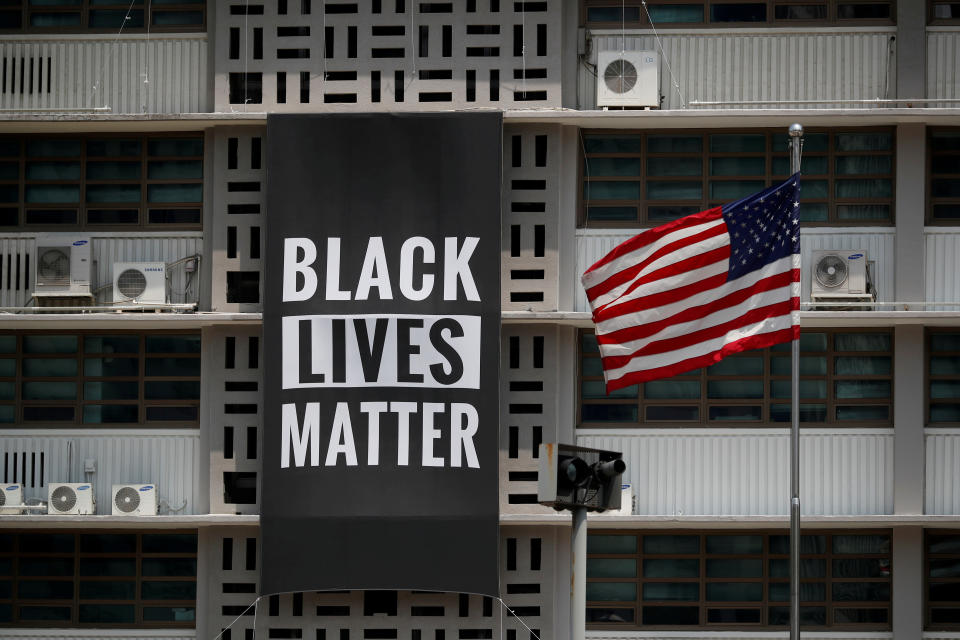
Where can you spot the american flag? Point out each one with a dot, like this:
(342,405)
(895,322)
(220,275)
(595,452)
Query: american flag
(687,294)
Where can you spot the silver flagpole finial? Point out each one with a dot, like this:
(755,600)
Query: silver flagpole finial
(796,130)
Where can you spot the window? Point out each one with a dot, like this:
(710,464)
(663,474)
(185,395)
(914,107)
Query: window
(943,11)
(632,14)
(103,16)
(736,580)
(943,377)
(102,579)
(104,379)
(845,379)
(648,178)
(943,579)
(944,189)
(99,183)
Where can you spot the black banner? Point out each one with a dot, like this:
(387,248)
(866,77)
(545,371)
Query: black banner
(381,334)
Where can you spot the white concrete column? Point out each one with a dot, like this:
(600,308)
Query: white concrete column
(908,420)
(910,209)
(907,596)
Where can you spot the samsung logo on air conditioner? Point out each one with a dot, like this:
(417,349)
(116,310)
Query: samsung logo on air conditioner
(152,269)
(146,488)
(86,486)
(12,488)
(80,243)
(854,256)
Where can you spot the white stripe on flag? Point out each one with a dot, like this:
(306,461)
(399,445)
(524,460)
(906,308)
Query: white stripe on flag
(595,277)
(653,314)
(764,299)
(642,363)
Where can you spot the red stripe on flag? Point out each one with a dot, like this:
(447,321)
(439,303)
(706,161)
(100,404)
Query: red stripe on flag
(661,298)
(745,344)
(753,316)
(630,272)
(681,266)
(652,235)
(693,313)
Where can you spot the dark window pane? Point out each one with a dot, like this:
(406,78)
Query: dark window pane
(813,616)
(671,615)
(46,566)
(671,544)
(168,590)
(172,390)
(861,544)
(734,591)
(671,568)
(108,543)
(611,568)
(172,414)
(602,614)
(611,544)
(609,413)
(113,216)
(671,591)
(730,616)
(174,216)
(107,613)
(173,344)
(108,590)
(871,11)
(611,591)
(172,367)
(734,544)
(862,616)
(160,567)
(46,543)
(169,614)
(45,613)
(169,543)
(108,567)
(734,568)
(45,589)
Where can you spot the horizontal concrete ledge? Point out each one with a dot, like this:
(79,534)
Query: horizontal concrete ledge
(27,121)
(582,319)
(746,635)
(127,320)
(599,521)
(807,318)
(44,521)
(47,121)
(733,117)
(98,634)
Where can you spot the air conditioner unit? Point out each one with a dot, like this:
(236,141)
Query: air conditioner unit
(63,265)
(628,79)
(11,494)
(841,276)
(140,282)
(134,499)
(71,498)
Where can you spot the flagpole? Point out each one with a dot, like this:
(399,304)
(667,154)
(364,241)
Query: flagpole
(796,138)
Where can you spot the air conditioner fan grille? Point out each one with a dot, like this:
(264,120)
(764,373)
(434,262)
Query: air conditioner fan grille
(127,499)
(831,271)
(620,76)
(63,498)
(131,283)
(54,267)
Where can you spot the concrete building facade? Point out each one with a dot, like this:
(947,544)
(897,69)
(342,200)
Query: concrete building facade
(141,128)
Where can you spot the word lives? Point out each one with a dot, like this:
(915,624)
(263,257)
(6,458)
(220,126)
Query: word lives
(355,355)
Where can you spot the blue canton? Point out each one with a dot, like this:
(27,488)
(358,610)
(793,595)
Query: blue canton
(763,227)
